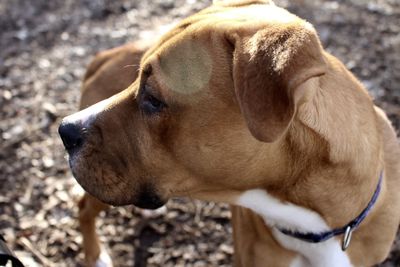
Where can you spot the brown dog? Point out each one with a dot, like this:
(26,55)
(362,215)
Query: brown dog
(240,104)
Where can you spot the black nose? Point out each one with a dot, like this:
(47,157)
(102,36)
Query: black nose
(71,135)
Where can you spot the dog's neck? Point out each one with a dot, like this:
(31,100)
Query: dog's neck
(279,213)
(329,157)
(328,149)
(294,218)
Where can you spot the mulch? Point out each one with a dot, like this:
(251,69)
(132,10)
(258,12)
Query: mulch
(45,47)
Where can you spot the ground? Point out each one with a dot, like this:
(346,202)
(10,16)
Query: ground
(45,47)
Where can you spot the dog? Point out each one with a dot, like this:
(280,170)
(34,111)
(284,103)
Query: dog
(241,104)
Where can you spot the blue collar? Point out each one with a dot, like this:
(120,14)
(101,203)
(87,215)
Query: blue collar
(346,230)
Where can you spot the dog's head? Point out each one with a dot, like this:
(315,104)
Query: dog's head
(208,113)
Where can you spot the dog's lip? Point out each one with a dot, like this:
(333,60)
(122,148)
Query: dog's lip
(81,154)
(146,199)
(72,161)
(103,194)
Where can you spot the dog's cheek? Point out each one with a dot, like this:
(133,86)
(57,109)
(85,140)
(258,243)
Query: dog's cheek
(159,134)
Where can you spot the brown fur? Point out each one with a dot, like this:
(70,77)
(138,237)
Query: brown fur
(109,73)
(261,106)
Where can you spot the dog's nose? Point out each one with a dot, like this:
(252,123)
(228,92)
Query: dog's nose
(71,135)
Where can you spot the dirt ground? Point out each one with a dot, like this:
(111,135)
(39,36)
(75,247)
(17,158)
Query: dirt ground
(45,47)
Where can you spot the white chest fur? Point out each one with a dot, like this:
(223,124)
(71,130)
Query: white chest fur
(296,218)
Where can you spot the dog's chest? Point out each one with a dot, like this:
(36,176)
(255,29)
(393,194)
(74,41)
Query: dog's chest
(296,218)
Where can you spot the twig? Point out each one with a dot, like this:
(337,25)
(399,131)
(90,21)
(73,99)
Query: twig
(27,244)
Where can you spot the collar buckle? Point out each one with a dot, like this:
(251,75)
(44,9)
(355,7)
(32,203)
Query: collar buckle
(347,238)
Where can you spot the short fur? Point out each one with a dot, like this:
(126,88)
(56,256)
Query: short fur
(268,108)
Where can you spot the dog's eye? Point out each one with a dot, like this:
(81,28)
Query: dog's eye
(150,104)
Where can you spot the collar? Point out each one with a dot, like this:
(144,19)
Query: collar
(346,230)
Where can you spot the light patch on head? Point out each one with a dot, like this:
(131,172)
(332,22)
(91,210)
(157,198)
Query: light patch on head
(187,67)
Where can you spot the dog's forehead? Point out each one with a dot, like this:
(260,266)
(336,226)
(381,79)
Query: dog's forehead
(183,59)
(257,12)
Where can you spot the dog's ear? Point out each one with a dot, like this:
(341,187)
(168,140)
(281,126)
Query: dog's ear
(269,64)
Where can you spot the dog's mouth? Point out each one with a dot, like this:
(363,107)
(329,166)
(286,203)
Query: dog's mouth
(109,186)
(101,182)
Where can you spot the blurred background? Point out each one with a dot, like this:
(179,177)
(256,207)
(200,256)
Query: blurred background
(45,47)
